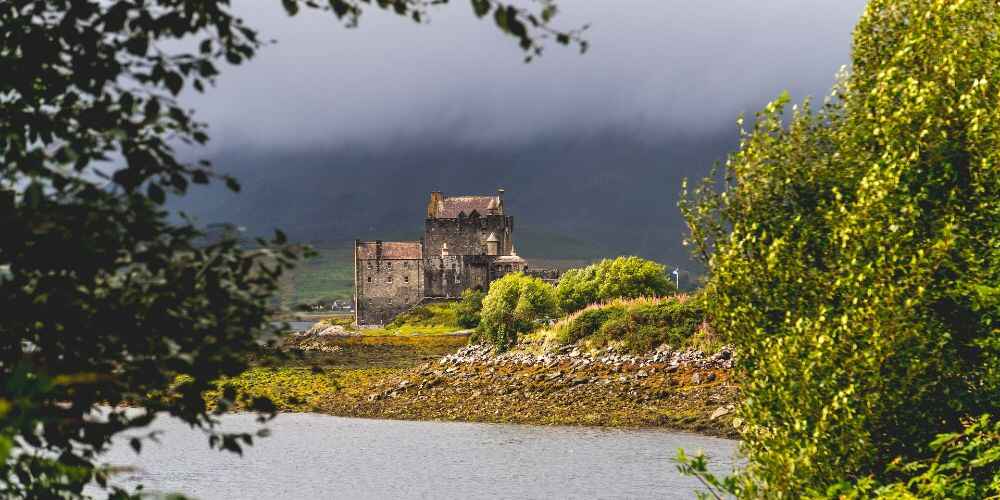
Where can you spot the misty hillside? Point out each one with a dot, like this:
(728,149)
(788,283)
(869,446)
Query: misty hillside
(603,194)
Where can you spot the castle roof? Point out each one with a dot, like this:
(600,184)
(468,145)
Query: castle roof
(449,207)
(390,249)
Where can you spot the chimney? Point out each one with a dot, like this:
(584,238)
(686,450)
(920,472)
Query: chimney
(432,206)
(500,198)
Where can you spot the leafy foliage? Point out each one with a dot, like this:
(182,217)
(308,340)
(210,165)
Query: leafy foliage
(622,277)
(854,255)
(107,299)
(470,308)
(966,465)
(512,307)
(635,325)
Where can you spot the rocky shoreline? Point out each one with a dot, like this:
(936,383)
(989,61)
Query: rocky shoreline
(683,390)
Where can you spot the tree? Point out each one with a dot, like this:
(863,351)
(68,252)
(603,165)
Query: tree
(106,298)
(577,288)
(513,306)
(854,256)
(622,277)
(470,307)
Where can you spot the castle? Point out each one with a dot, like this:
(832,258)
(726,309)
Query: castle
(467,244)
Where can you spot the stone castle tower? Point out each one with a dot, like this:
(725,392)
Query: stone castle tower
(467,244)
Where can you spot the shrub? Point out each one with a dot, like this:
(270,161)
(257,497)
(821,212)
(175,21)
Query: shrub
(637,325)
(513,306)
(577,288)
(853,250)
(469,308)
(622,277)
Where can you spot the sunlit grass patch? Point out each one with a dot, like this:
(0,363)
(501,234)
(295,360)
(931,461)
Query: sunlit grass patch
(289,388)
(633,325)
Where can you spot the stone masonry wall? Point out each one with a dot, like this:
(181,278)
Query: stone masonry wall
(467,236)
(449,276)
(386,287)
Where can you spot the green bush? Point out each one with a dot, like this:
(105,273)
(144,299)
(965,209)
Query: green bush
(622,277)
(637,325)
(469,308)
(513,306)
(853,253)
(588,321)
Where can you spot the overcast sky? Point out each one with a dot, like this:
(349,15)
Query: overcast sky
(660,74)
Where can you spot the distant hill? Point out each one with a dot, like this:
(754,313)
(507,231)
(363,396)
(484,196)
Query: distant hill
(571,197)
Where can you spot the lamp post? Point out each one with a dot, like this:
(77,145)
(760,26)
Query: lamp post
(677,277)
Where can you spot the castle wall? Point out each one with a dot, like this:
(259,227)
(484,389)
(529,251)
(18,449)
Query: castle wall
(449,276)
(387,283)
(467,236)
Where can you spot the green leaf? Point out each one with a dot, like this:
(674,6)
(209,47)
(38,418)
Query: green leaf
(155,193)
(174,82)
(291,6)
(481,7)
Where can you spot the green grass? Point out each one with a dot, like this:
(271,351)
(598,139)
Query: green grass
(289,388)
(435,318)
(635,325)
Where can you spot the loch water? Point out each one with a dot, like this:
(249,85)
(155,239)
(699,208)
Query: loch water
(319,456)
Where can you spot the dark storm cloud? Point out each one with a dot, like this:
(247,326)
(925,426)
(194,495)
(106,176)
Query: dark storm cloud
(655,66)
(338,131)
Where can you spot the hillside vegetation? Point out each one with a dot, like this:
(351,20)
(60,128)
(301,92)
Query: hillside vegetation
(635,325)
(326,277)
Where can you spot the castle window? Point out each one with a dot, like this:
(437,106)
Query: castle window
(388,279)
(369,279)
(388,265)
(458,279)
(369,266)
(406,279)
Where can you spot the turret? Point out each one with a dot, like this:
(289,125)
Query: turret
(492,245)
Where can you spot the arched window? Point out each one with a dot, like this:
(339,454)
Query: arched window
(369,279)
(388,279)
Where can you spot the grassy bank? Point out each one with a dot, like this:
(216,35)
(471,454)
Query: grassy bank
(306,381)
(634,325)
(435,318)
